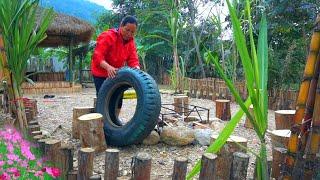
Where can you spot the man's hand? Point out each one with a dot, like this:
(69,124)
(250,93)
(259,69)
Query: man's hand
(112,71)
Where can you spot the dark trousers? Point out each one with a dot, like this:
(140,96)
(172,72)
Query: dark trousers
(98,81)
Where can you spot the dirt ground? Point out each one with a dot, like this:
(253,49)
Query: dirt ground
(58,111)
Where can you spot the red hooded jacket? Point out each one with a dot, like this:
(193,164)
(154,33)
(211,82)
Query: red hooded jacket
(111,48)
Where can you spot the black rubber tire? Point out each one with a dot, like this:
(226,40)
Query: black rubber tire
(147,109)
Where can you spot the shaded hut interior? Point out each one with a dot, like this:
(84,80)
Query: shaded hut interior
(64,31)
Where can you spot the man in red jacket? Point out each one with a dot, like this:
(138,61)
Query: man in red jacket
(115,48)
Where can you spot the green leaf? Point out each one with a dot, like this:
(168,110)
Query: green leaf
(222,138)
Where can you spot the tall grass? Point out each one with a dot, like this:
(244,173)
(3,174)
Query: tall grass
(255,64)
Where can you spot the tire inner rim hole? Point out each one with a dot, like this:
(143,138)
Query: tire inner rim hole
(122,116)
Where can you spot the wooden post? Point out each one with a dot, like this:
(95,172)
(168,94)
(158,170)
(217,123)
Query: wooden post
(225,154)
(85,163)
(181,104)
(180,168)
(247,123)
(239,166)
(278,155)
(35,133)
(34,128)
(111,164)
(51,149)
(208,167)
(284,119)
(34,122)
(280,138)
(91,131)
(223,109)
(36,138)
(72,175)
(141,167)
(65,160)
(42,143)
(77,112)
(95,177)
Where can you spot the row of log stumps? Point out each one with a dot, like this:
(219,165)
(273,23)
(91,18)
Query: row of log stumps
(181,106)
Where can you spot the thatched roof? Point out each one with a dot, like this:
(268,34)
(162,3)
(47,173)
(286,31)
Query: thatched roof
(64,28)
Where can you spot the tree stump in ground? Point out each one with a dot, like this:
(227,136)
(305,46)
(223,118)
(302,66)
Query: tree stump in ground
(181,104)
(85,163)
(284,119)
(77,112)
(280,138)
(65,160)
(51,149)
(225,155)
(247,123)
(141,167)
(111,164)
(91,131)
(223,109)
(239,166)
(279,141)
(208,167)
(180,168)
(278,156)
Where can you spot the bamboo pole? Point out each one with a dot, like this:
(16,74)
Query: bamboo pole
(303,96)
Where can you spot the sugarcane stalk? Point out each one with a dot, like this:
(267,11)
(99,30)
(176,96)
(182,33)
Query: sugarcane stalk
(309,72)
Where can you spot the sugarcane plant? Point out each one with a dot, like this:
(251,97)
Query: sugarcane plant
(255,65)
(21,33)
(302,142)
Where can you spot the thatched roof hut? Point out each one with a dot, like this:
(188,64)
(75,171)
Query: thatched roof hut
(66,30)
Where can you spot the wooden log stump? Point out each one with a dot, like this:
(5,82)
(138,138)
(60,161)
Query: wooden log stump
(35,133)
(111,164)
(181,104)
(91,131)
(51,149)
(38,137)
(239,166)
(85,163)
(65,160)
(141,167)
(180,168)
(284,119)
(34,122)
(95,177)
(77,112)
(223,109)
(33,128)
(72,175)
(280,138)
(208,167)
(42,143)
(278,156)
(247,123)
(225,154)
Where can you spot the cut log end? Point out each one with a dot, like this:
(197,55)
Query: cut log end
(87,150)
(91,116)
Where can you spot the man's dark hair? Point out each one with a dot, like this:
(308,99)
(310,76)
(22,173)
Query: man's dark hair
(129,19)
